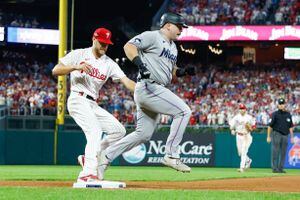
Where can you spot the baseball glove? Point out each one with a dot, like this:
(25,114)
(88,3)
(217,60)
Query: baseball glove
(248,127)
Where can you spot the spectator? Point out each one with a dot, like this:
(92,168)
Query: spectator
(237,12)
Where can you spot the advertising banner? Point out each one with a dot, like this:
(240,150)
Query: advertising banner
(196,149)
(32,36)
(292,53)
(292,158)
(240,33)
(2,33)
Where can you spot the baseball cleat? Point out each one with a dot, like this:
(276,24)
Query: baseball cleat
(176,164)
(241,170)
(103,163)
(248,164)
(81,160)
(89,178)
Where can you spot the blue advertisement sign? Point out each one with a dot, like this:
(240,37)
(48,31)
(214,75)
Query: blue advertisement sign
(195,149)
(32,35)
(292,159)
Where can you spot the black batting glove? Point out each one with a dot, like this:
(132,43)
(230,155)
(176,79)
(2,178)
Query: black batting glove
(144,72)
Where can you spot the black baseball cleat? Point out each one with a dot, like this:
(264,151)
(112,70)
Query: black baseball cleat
(275,171)
(282,171)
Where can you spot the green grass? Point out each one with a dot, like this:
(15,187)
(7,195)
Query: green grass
(69,173)
(65,173)
(72,194)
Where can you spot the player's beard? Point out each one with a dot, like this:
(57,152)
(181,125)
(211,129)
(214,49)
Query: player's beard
(99,52)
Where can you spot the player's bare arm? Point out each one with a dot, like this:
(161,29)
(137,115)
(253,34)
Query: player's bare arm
(269,133)
(61,69)
(129,84)
(292,134)
(131,51)
(174,70)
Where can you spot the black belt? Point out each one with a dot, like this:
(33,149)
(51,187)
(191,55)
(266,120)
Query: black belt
(281,133)
(86,96)
(148,80)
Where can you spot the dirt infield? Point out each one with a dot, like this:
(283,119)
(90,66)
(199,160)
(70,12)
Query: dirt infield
(279,184)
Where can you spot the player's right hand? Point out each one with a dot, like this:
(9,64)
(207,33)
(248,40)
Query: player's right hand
(232,132)
(268,139)
(84,67)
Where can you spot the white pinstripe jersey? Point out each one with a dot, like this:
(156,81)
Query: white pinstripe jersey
(102,69)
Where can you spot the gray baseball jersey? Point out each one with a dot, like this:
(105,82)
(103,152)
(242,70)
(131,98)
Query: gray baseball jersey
(153,98)
(158,53)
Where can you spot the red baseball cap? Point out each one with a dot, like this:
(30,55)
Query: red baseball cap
(242,106)
(103,35)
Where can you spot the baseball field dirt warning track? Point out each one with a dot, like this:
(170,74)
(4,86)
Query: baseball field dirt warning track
(279,184)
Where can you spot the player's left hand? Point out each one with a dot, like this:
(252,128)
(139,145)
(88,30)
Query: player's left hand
(248,127)
(292,140)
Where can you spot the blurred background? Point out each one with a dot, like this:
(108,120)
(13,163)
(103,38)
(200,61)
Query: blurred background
(244,52)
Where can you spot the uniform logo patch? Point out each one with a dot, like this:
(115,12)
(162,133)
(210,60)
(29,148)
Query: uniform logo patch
(137,41)
(94,72)
(167,54)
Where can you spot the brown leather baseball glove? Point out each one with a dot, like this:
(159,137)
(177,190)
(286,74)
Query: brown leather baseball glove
(248,127)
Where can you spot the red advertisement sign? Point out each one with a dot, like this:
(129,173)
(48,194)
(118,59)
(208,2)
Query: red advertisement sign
(240,33)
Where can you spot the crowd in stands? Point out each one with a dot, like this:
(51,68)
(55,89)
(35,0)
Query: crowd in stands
(21,20)
(238,12)
(213,94)
(26,87)
(215,100)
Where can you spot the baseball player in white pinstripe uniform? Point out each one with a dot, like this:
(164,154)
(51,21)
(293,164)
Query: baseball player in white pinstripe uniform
(241,125)
(90,68)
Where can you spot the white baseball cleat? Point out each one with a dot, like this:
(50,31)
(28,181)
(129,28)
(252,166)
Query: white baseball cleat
(176,164)
(103,163)
(248,163)
(241,170)
(81,160)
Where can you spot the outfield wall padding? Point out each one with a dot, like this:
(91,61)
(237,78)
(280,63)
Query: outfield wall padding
(227,156)
(36,147)
(28,147)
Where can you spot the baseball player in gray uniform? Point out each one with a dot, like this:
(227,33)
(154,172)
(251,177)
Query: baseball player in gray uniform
(155,54)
